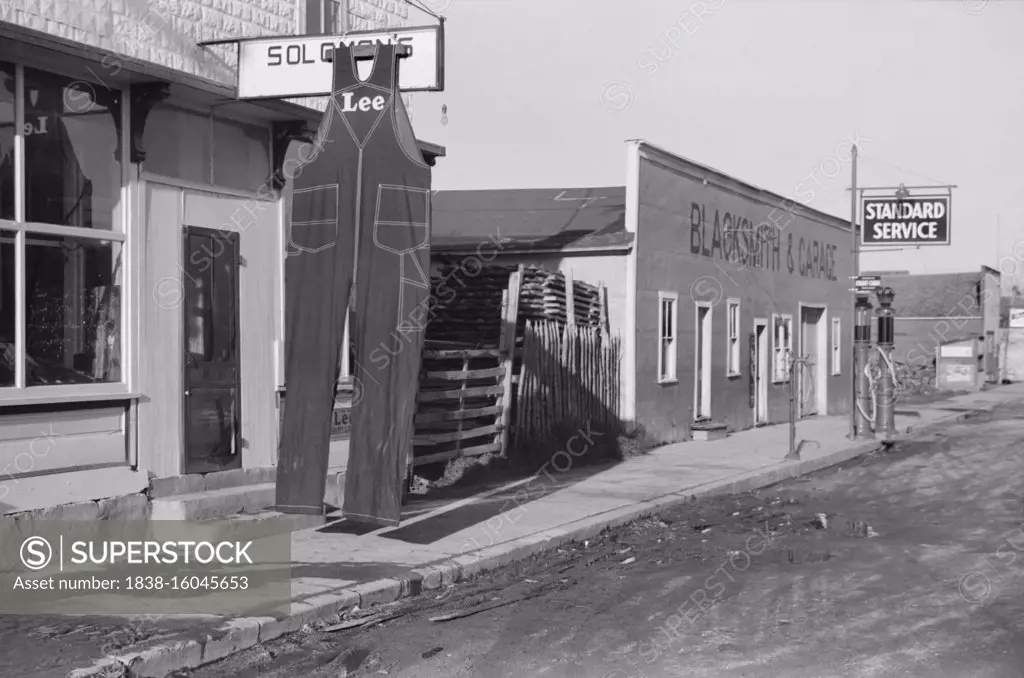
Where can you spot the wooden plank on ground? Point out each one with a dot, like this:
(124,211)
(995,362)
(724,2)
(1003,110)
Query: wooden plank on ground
(455,454)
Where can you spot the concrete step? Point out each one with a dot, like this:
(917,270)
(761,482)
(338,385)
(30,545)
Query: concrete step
(214,504)
(160,488)
(709,430)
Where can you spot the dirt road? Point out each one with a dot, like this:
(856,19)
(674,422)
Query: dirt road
(904,563)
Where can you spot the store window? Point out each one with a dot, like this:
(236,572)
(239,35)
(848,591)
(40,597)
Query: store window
(72,163)
(783,347)
(65,242)
(667,318)
(8,336)
(733,357)
(6,141)
(72,304)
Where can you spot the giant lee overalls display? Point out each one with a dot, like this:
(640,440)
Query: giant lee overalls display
(361,208)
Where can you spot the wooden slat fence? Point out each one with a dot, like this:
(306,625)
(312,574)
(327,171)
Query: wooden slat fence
(569,378)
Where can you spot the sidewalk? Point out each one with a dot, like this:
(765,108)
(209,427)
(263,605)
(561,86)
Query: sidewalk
(441,540)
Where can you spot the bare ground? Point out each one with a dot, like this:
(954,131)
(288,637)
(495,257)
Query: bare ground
(903,563)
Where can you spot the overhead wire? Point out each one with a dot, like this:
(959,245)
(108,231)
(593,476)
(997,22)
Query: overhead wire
(904,170)
(419,6)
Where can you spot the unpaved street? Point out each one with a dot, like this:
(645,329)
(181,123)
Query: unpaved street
(905,563)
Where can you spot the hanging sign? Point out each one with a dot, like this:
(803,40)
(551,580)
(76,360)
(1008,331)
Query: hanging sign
(300,66)
(1017,317)
(908,221)
(867,283)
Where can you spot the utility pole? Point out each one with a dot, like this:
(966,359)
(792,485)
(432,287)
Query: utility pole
(855,248)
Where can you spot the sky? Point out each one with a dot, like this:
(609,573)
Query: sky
(544,93)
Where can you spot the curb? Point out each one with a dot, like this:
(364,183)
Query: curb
(241,634)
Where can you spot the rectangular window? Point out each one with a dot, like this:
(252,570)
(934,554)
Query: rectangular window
(72,156)
(6,141)
(667,349)
(61,233)
(837,354)
(782,346)
(733,357)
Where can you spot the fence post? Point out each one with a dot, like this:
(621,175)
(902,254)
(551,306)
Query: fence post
(509,322)
(570,300)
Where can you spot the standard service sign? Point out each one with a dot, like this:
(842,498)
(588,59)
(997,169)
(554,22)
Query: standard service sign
(910,221)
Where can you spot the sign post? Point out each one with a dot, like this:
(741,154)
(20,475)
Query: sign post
(891,216)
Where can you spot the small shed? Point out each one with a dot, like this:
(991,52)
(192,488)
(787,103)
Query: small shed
(940,309)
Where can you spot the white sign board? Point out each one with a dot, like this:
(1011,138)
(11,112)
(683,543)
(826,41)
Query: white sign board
(1017,317)
(956,351)
(302,66)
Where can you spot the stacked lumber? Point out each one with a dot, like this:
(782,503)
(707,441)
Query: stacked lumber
(468,309)
(459,410)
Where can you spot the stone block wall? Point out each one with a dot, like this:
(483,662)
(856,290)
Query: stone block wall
(165,32)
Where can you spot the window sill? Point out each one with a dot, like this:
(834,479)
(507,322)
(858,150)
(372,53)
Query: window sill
(733,375)
(61,395)
(667,382)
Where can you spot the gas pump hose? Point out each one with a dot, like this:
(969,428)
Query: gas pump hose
(873,389)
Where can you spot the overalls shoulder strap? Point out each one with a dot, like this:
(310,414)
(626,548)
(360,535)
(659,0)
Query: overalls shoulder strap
(382,74)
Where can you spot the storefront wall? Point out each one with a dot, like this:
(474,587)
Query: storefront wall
(65,399)
(95,282)
(87,277)
(683,254)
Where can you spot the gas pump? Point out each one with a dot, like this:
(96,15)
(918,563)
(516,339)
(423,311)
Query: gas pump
(862,353)
(885,415)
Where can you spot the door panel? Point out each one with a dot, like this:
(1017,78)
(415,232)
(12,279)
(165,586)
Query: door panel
(761,374)
(808,372)
(212,365)
(702,371)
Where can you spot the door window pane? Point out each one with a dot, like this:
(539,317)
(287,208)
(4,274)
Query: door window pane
(7,308)
(72,158)
(6,141)
(73,310)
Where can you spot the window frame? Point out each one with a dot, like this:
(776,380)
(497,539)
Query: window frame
(837,346)
(665,375)
(733,355)
(20,392)
(782,377)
